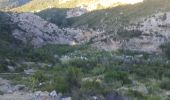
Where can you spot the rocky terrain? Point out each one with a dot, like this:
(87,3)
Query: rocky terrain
(20,92)
(151,33)
(33,30)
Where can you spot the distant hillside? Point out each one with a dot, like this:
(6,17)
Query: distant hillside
(110,19)
(106,19)
(90,5)
(6,4)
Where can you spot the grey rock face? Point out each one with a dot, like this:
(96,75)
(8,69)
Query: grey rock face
(155,32)
(33,30)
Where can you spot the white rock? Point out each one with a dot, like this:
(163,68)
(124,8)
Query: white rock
(53,93)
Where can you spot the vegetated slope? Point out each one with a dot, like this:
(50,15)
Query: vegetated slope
(87,4)
(112,26)
(112,18)
(56,16)
(109,19)
(19,33)
(33,31)
(7,4)
(114,23)
(9,45)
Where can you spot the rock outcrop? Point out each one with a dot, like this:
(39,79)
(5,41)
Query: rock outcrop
(32,29)
(153,31)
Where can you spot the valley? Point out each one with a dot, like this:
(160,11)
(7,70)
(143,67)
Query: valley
(71,50)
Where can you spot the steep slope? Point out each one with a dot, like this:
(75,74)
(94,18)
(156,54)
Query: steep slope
(31,29)
(109,32)
(34,31)
(120,16)
(8,43)
(115,21)
(7,4)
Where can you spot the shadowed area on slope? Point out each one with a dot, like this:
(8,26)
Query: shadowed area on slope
(106,19)
(8,4)
(9,45)
(56,16)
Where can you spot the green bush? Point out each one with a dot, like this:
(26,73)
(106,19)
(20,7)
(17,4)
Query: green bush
(129,34)
(136,94)
(74,76)
(89,85)
(3,68)
(61,84)
(166,48)
(165,84)
(153,97)
(39,76)
(117,76)
(98,70)
(19,69)
(1,93)
(94,87)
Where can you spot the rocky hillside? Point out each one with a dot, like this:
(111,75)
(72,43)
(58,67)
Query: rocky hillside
(35,31)
(128,26)
(137,30)
(144,33)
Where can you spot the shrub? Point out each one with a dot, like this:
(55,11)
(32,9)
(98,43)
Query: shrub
(19,69)
(153,97)
(166,48)
(39,76)
(61,84)
(136,94)
(74,76)
(98,70)
(117,76)
(93,87)
(165,84)
(3,68)
(1,93)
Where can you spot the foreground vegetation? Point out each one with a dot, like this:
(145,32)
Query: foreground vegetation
(81,72)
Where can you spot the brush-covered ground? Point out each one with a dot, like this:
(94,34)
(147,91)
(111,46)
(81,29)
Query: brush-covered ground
(82,72)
